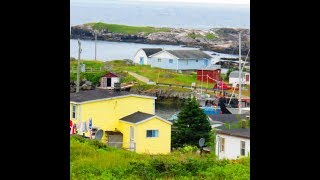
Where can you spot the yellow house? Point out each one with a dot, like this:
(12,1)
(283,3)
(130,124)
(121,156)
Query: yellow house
(127,120)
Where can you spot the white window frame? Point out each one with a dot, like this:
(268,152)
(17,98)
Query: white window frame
(242,148)
(224,144)
(159,59)
(170,60)
(74,112)
(155,130)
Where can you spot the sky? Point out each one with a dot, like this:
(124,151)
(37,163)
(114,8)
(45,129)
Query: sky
(243,2)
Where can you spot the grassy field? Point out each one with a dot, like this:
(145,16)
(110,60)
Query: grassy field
(209,36)
(154,74)
(93,160)
(117,28)
(158,74)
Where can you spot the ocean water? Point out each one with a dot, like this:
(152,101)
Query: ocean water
(179,15)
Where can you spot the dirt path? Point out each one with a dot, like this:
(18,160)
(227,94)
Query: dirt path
(139,77)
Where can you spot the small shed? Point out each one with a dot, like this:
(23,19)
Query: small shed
(209,75)
(234,78)
(108,80)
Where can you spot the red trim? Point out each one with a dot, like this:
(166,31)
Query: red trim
(110,74)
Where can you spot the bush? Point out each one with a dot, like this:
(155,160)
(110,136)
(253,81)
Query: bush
(188,148)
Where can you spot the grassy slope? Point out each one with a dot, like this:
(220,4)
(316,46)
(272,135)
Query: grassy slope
(209,36)
(117,28)
(165,76)
(93,160)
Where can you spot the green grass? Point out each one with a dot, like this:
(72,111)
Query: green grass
(117,28)
(158,74)
(154,74)
(209,36)
(90,159)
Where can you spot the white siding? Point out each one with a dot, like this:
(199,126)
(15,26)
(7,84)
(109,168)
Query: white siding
(139,54)
(114,80)
(177,64)
(231,147)
(235,81)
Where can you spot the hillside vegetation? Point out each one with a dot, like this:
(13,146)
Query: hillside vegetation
(118,28)
(90,159)
(154,74)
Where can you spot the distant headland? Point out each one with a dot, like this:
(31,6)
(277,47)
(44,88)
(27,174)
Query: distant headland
(222,40)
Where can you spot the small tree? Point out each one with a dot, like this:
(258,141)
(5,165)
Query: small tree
(191,125)
(228,73)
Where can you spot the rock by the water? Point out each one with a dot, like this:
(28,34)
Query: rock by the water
(225,41)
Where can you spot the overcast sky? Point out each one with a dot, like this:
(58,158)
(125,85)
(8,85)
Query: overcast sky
(244,2)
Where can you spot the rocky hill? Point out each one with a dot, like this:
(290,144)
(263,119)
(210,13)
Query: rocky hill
(223,40)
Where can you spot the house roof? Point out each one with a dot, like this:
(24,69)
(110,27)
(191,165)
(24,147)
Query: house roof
(240,132)
(189,54)
(137,117)
(236,111)
(235,74)
(150,51)
(98,94)
(226,118)
(110,74)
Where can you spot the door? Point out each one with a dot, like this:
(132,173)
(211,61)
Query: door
(141,61)
(108,82)
(247,78)
(132,148)
(206,62)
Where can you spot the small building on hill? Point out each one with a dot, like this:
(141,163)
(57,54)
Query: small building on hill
(234,78)
(180,59)
(108,80)
(210,74)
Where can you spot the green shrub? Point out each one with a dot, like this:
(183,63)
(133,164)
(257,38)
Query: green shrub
(188,148)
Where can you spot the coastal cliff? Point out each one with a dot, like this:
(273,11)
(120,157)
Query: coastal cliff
(222,40)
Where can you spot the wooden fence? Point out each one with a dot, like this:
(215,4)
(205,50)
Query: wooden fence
(87,70)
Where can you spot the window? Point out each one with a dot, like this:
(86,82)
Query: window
(243,148)
(222,143)
(152,133)
(170,60)
(73,111)
(196,60)
(159,59)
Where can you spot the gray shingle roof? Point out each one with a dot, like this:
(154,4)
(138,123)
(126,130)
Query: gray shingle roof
(90,95)
(137,117)
(150,51)
(226,118)
(240,132)
(189,54)
(235,74)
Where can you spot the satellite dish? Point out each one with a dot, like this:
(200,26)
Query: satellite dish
(99,134)
(201,142)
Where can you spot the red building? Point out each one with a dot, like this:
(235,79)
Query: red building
(209,74)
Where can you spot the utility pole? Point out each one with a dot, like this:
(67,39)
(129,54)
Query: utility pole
(239,73)
(95,45)
(78,68)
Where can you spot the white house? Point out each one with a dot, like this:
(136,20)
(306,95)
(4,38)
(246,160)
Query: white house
(232,143)
(142,55)
(180,59)
(234,78)
(108,80)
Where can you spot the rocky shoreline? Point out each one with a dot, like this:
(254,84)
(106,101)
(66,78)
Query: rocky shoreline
(163,94)
(226,40)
